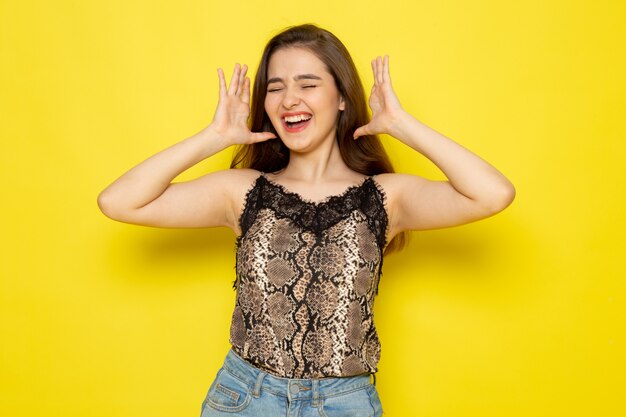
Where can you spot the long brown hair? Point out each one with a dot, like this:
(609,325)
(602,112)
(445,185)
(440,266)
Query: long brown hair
(365,155)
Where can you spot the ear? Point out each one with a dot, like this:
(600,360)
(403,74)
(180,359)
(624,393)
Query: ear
(342,104)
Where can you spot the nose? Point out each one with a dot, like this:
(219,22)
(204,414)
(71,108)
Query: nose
(291,98)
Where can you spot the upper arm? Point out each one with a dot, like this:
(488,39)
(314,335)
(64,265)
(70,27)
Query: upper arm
(416,203)
(208,201)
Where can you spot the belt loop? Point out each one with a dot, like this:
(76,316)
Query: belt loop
(256,392)
(316,392)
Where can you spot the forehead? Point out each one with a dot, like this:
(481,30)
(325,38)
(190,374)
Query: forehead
(292,61)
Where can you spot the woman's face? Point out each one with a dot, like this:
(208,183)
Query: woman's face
(302,100)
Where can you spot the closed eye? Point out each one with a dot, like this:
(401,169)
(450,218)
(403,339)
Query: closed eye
(309,86)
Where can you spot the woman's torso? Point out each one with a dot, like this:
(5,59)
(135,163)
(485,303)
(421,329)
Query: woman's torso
(307,274)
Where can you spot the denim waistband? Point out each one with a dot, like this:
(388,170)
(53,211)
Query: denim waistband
(292,388)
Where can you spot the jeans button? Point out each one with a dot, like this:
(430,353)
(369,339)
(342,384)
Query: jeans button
(294,389)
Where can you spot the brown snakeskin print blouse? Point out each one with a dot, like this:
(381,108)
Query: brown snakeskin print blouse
(307,274)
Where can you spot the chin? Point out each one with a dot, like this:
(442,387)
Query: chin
(302,143)
(293,146)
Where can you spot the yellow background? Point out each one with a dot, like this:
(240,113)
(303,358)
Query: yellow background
(521,314)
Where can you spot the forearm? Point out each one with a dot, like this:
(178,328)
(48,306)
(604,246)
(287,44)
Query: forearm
(147,180)
(469,174)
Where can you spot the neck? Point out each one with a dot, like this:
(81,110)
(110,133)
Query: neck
(324,163)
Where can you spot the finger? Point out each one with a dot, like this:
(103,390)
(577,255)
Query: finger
(220,74)
(361,131)
(374,72)
(375,68)
(262,136)
(234,80)
(386,77)
(379,69)
(245,95)
(242,78)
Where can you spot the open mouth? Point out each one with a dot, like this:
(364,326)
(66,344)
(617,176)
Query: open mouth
(296,122)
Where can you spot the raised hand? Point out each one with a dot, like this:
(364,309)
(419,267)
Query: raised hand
(386,108)
(233,109)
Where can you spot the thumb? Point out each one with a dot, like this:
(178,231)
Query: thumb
(262,136)
(361,131)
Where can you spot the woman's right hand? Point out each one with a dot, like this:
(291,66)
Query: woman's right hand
(147,196)
(230,122)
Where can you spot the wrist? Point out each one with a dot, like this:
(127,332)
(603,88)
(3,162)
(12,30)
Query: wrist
(210,141)
(400,126)
(211,134)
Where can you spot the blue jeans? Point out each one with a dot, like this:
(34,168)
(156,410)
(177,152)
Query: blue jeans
(241,389)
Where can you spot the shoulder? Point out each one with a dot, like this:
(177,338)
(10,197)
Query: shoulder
(238,182)
(234,179)
(245,180)
(227,189)
(231,183)
(237,175)
(242,180)
(396,188)
(394,184)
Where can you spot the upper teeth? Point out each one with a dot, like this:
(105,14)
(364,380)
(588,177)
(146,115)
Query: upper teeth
(297,118)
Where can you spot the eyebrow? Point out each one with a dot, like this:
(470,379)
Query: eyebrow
(296,78)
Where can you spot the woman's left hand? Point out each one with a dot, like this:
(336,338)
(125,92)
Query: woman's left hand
(386,108)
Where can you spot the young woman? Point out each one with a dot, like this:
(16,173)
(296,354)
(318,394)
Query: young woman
(314,202)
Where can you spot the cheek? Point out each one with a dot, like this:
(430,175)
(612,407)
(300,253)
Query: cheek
(270,105)
(270,112)
(332,101)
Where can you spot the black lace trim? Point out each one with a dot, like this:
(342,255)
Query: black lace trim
(367,197)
